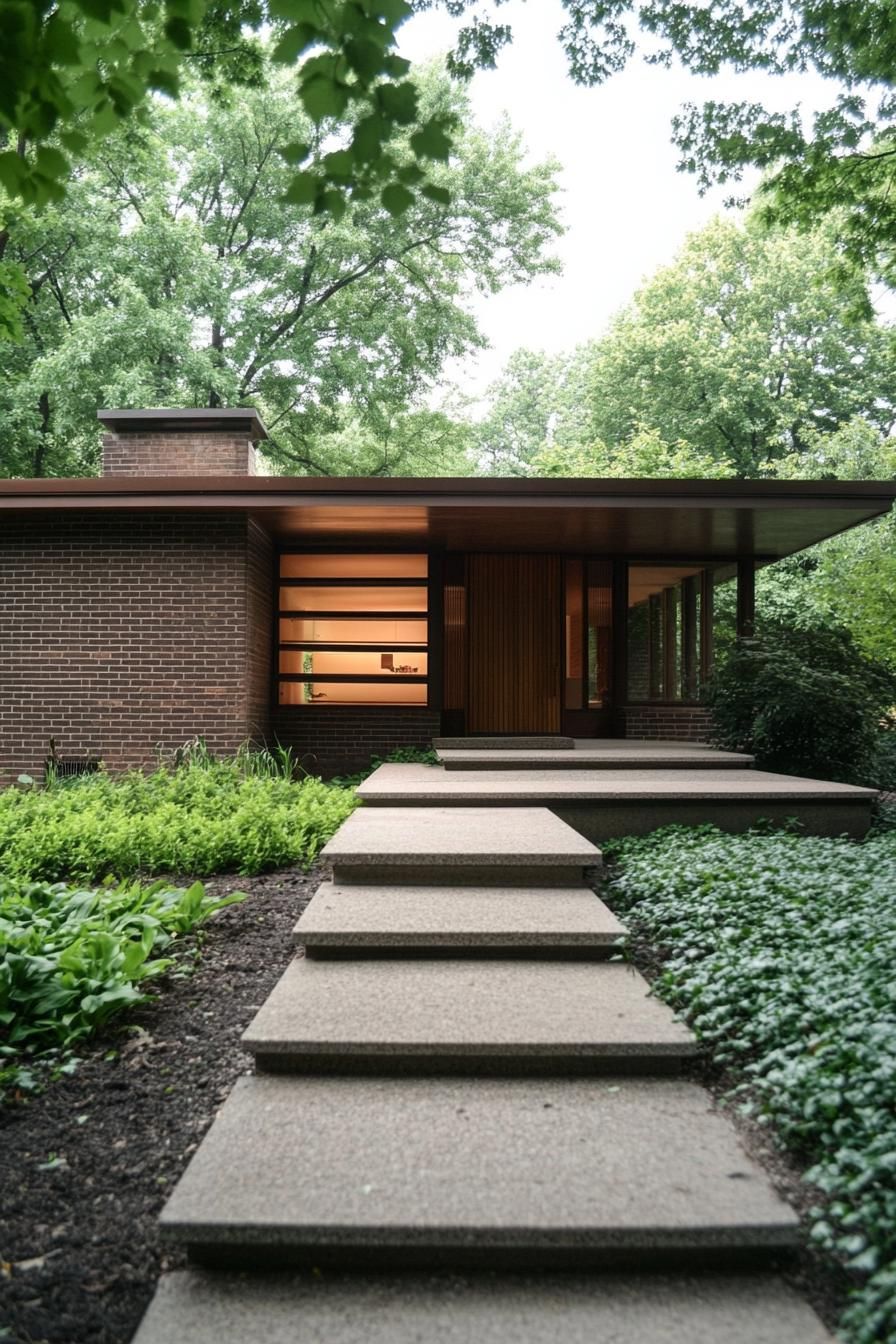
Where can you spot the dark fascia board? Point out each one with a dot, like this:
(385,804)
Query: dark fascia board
(258,491)
(180,420)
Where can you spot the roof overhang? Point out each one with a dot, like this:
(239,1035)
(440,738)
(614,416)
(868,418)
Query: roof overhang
(669,519)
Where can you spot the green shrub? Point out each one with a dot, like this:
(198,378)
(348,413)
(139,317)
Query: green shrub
(71,958)
(779,950)
(400,756)
(805,702)
(199,819)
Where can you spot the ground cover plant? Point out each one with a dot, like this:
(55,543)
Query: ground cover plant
(779,950)
(72,958)
(201,817)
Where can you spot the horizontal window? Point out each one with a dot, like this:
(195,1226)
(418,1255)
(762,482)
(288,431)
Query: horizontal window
(376,663)
(358,601)
(352,693)
(381,631)
(354,567)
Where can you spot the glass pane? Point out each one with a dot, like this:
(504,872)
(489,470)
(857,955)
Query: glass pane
(574,633)
(302,629)
(358,600)
(376,663)
(600,631)
(663,631)
(354,566)
(352,693)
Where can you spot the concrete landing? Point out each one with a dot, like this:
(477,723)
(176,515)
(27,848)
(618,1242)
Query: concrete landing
(354,920)
(600,755)
(196,1307)
(474,1017)
(547,741)
(316,1170)
(519,846)
(600,804)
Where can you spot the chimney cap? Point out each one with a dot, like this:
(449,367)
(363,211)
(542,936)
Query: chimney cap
(182,420)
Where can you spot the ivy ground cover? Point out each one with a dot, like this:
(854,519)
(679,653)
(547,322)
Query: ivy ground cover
(780,951)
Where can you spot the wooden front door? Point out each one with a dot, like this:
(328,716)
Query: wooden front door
(514,643)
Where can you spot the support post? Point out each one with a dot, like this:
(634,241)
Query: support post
(746,599)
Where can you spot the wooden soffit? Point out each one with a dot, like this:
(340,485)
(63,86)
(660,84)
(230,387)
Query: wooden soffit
(663,520)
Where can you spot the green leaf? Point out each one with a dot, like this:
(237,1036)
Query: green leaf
(431,141)
(302,189)
(179,31)
(396,198)
(368,138)
(323,96)
(339,165)
(13,172)
(398,102)
(293,42)
(331,202)
(364,57)
(295,152)
(441,195)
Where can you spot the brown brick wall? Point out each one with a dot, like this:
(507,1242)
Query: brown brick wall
(679,723)
(120,635)
(178,453)
(336,739)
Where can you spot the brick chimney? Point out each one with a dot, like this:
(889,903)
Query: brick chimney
(180,442)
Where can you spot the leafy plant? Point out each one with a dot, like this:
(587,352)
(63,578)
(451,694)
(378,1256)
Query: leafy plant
(400,756)
(779,951)
(804,701)
(204,817)
(71,958)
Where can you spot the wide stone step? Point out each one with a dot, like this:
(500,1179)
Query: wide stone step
(545,741)
(464,846)
(602,757)
(474,1017)
(319,1171)
(456,921)
(202,1307)
(602,804)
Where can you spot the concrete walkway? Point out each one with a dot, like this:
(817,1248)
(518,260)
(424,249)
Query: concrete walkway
(457,1096)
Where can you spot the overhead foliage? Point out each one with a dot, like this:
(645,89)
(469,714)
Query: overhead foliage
(176,272)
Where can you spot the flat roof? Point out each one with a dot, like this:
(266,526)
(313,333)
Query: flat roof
(656,519)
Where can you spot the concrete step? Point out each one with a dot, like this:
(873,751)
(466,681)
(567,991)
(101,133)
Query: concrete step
(200,1307)
(526,846)
(472,1017)
(597,757)
(545,741)
(321,1171)
(601,804)
(456,921)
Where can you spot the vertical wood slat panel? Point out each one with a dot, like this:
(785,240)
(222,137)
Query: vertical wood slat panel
(515,650)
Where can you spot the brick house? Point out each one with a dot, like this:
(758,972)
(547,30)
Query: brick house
(182,594)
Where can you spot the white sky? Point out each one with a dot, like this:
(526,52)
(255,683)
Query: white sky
(625,207)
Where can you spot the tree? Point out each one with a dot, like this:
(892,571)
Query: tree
(644,455)
(745,349)
(174,272)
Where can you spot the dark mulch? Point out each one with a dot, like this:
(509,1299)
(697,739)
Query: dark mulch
(86,1167)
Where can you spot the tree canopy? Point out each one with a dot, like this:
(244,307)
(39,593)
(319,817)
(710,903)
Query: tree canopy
(737,354)
(174,273)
